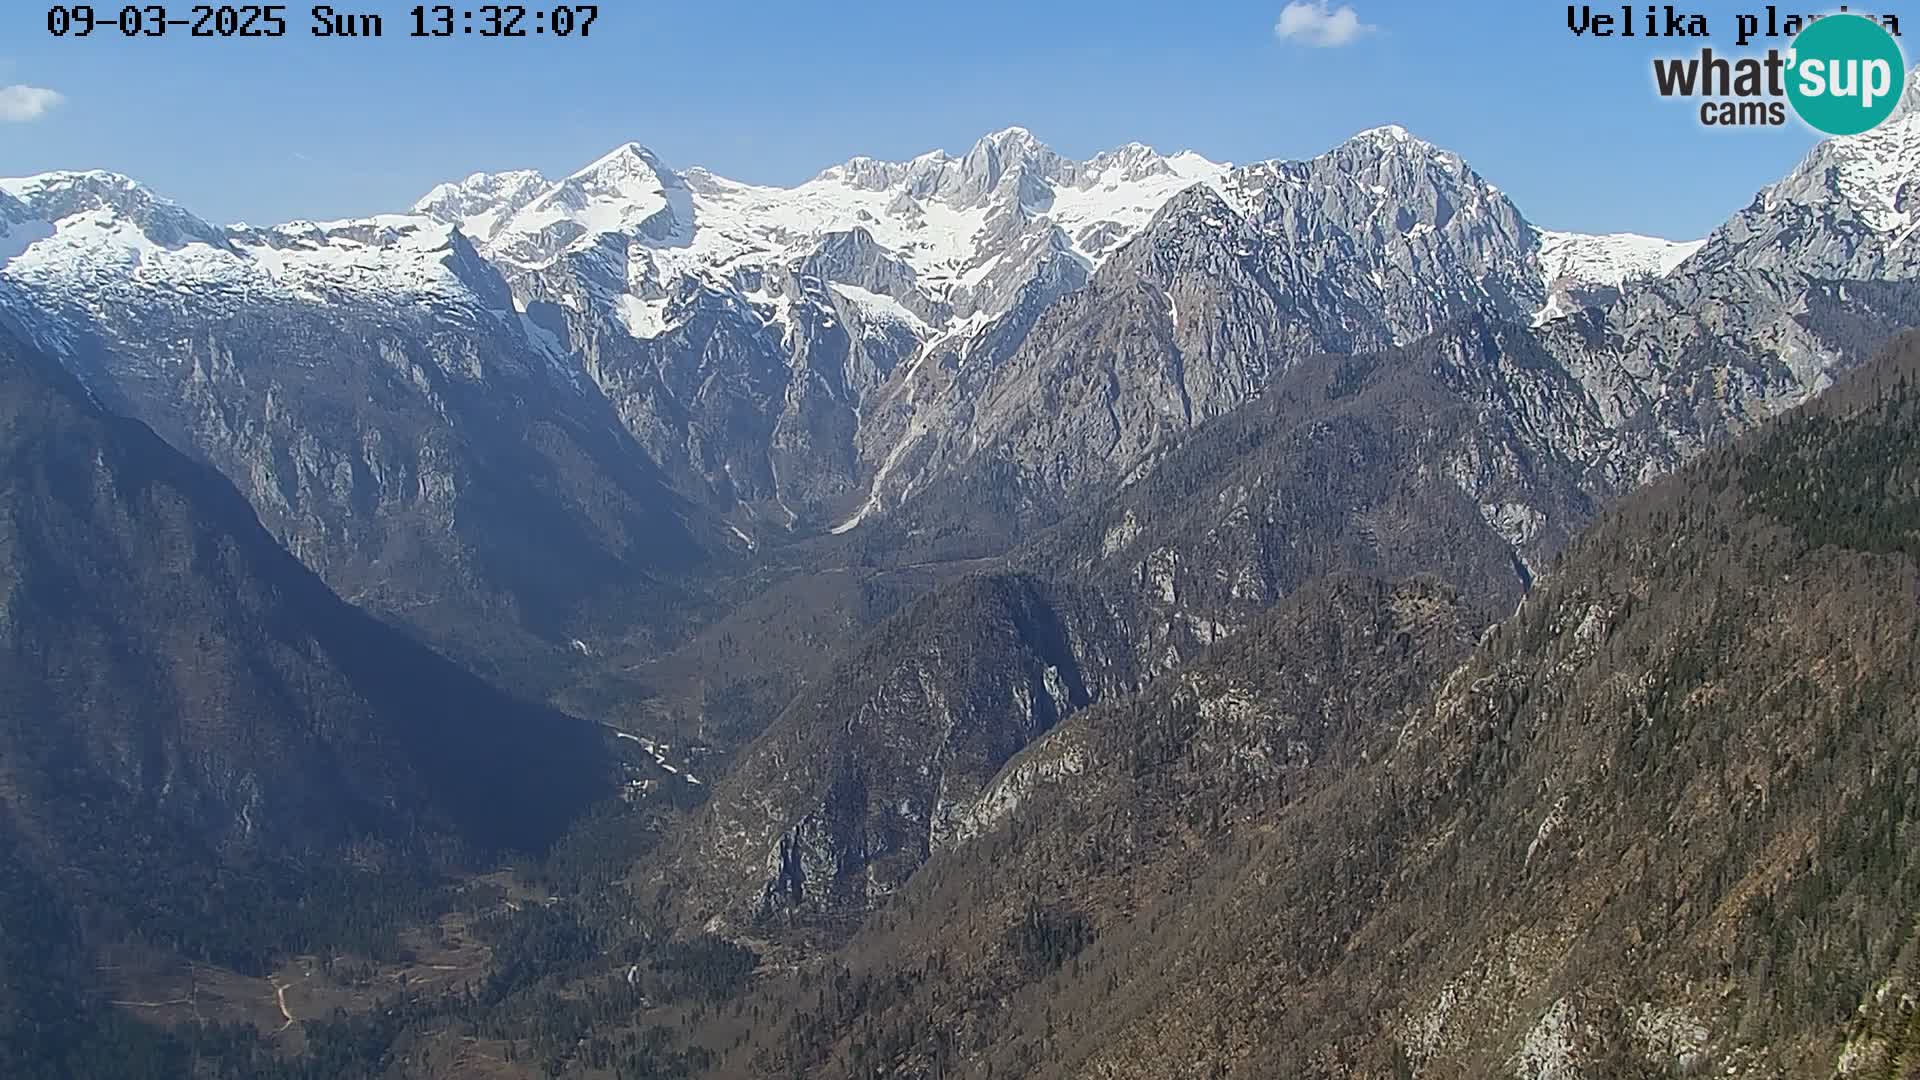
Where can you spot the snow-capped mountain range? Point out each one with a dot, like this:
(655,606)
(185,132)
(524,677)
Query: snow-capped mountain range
(108,230)
(804,358)
(960,234)
(948,225)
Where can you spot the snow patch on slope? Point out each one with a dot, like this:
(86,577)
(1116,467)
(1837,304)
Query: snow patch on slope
(400,256)
(19,229)
(877,308)
(1878,173)
(100,232)
(927,213)
(1585,261)
(644,319)
(1610,258)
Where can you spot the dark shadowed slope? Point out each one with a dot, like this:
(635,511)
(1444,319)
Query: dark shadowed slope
(177,687)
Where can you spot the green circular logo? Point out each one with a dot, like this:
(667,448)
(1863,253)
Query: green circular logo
(1845,74)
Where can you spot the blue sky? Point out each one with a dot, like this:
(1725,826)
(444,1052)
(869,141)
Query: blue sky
(773,92)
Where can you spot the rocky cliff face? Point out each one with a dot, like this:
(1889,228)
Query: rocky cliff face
(1442,457)
(870,771)
(1378,243)
(1381,241)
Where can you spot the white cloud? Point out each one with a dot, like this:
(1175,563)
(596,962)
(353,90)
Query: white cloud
(1320,25)
(18,104)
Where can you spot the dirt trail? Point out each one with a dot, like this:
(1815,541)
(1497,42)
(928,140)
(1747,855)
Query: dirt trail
(280,993)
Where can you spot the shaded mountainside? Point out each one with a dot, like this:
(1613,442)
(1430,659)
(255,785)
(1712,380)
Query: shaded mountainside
(713,694)
(1110,826)
(863,775)
(183,695)
(1659,820)
(424,472)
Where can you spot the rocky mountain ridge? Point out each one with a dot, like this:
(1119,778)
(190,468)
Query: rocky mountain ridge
(748,364)
(1223,292)
(777,350)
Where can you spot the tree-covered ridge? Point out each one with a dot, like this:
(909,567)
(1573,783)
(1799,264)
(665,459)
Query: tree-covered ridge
(1659,822)
(1846,481)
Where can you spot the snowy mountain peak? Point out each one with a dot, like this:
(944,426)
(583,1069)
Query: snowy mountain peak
(949,237)
(396,257)
(1010,136)
(1138,161)
(628,190)
(1192,163)
(996,158)
(380,231)
(481,185)
(1012,146)
(56,195)
(1876,174)
(630,174)
(1583,270)
(96,240)
(481,203)
(1207,204)
(628,160)
(1392,138)
(1418,185)
(50,184)
(1388,133)
(110,200)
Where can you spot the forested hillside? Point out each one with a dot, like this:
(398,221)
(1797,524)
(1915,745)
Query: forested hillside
(204,749)
(1658,821)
